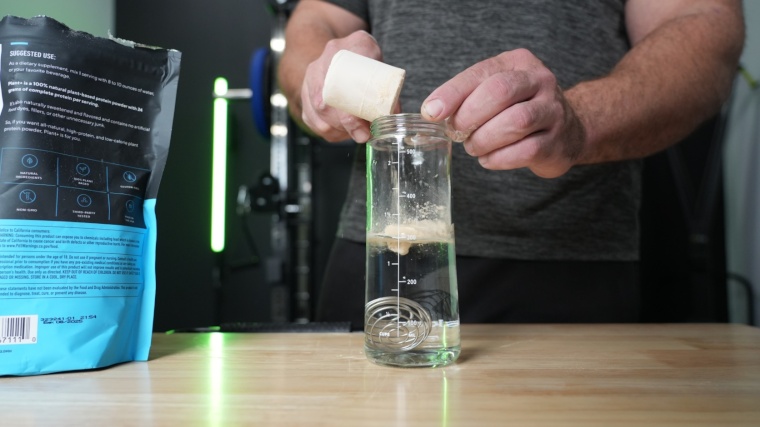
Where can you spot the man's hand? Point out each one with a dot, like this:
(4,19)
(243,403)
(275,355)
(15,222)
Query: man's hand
(515,113)
(677,74)
(327,122)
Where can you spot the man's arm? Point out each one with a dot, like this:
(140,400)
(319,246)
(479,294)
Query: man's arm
(316,30)
(676,75)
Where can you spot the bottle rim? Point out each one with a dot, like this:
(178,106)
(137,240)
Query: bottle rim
(406,123)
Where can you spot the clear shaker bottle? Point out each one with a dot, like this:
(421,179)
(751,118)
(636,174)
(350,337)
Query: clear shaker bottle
(411,307)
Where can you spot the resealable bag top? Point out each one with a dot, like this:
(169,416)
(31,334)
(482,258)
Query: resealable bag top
(86,123)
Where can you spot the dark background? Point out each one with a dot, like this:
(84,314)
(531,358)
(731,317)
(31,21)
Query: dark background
(683,255)
(219,39)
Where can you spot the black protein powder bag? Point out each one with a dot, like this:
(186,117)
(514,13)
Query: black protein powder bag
(86,123)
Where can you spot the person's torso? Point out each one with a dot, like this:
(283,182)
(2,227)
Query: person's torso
(589,213)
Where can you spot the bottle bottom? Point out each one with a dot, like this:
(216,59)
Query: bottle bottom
(419,358)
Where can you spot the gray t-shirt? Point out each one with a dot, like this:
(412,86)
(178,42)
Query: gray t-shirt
(590,213)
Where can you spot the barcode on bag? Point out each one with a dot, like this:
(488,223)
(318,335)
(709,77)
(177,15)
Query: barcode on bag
(18,329)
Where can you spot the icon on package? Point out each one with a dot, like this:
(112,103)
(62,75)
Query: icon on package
(29,161)
(27,196)
(130,176)
(83,169)
(84,200)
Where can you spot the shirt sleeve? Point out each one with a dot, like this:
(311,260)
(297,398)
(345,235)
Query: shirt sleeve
(357,7)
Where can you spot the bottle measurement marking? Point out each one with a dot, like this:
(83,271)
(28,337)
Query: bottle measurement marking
(399,149)
(400,194)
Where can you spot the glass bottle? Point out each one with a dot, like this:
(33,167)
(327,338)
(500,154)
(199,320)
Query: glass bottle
(411,306)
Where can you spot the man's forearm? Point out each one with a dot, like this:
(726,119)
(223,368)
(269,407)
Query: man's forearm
(673,79)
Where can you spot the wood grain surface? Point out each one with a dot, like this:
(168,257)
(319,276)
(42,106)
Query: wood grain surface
(507,375)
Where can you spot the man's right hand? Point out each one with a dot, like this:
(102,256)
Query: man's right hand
(329,123)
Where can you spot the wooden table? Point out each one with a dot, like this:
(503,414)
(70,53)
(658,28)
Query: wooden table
(526,375)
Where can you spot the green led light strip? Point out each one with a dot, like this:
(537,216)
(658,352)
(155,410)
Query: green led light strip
(219,166)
